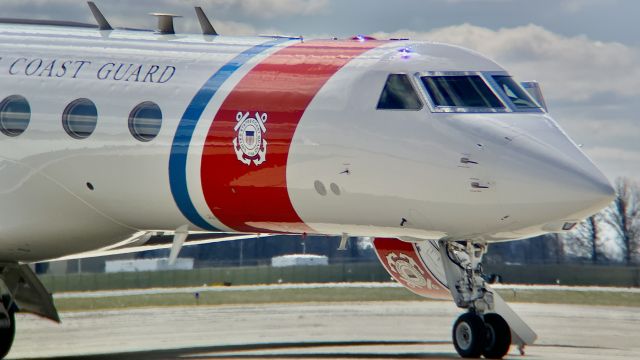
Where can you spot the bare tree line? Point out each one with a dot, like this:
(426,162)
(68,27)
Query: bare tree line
(612,235)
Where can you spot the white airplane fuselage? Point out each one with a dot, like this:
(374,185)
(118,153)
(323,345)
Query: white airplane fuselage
(316,155)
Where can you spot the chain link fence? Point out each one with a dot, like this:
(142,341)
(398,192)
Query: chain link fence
(217,276)
(586,275)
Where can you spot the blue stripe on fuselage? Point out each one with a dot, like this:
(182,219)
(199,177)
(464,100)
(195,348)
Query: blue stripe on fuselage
(187,125)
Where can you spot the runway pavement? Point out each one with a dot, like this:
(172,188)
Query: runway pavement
(368,330)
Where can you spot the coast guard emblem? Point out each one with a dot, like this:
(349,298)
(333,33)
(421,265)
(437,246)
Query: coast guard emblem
(407,269)
(249,143)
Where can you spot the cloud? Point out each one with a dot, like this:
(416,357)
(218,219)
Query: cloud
(269,9)
(569,68)
(134,13)
(273,8)
(234,28)
(122,13)
(616,161)
(612,153)
(475,1)
(574,6)
(570,6)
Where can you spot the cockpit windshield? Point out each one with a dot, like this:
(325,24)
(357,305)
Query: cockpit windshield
(518,96)
(461,91)
(457,92)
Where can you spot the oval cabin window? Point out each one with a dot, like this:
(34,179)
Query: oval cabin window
(79,118)
(15,114)
(145,121)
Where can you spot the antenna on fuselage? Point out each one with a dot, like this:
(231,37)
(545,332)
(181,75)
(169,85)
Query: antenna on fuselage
(165,23)
(205,24)
(103,24)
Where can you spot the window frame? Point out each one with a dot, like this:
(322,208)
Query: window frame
(132,118)
(503,96)
(415,88)
(3,104)
(65,118)
(460,109)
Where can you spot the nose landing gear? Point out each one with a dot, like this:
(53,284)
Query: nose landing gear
(484,330)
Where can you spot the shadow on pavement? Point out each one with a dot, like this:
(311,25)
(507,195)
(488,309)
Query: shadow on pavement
(307,350)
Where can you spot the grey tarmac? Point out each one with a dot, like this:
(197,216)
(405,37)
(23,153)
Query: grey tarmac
(355,330)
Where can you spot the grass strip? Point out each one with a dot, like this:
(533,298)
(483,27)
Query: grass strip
(604,298)
(332,295)
(237,297)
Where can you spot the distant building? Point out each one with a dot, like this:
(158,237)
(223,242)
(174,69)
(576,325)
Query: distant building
(134,265)
(299,260)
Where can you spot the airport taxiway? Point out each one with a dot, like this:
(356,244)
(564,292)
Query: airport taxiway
(367,330)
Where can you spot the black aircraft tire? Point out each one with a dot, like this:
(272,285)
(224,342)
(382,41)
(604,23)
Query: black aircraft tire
(498,337)
(7,335)
(469,335)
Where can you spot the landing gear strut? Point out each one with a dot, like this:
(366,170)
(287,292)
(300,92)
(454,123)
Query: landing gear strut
(21,290)
(481,330)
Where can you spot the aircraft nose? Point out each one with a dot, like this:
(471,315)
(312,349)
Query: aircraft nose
(577,180)
(599,188)
(558,181)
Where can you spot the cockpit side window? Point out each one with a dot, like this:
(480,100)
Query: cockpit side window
(399,94)
(518,96)
(461,91)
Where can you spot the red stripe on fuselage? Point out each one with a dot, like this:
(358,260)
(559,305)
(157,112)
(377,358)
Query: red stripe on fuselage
(254,198)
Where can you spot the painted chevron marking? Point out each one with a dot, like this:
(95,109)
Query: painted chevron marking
(254,197)
(187,125)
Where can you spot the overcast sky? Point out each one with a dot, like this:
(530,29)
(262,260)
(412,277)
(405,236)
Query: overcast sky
(586,53)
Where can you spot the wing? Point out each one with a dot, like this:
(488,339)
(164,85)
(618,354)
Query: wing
(145,241)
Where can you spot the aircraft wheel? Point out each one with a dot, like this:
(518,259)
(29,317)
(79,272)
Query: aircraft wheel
(7,335)
(469,335)
(497,338)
